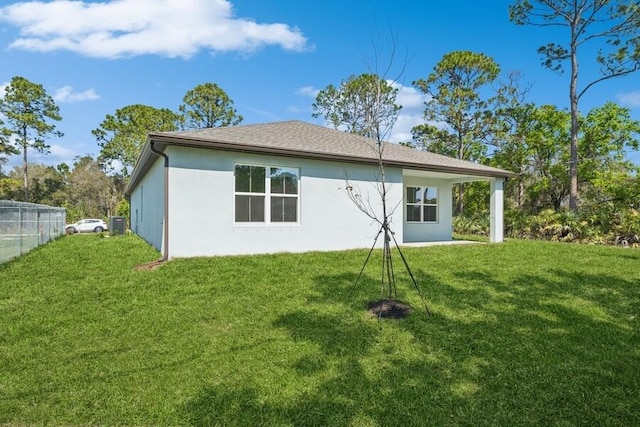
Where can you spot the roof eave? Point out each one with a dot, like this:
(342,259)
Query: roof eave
(143,164)
(232,146)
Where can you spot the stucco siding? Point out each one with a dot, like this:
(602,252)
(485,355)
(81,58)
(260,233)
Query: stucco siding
(201,208)
(441,230)
(147,206)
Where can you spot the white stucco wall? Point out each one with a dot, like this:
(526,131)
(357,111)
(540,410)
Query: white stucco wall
(147,206)
(201,208)
(429,231)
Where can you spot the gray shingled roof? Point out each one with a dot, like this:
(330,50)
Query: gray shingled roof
(299,139)
(304,138)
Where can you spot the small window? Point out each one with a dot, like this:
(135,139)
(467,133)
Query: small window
(260,190)
(422,204)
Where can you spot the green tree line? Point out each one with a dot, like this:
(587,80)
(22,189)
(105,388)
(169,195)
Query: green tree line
(472,115)
(574,180)
(92,187)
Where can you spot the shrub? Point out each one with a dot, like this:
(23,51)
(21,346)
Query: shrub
(626,230)
(602,225)
(477,225)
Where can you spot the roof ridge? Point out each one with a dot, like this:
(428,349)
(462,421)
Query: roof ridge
(296,137)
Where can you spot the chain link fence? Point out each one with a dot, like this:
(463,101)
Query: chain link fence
(24,226)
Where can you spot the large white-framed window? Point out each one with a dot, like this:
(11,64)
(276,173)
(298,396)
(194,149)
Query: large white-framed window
(266,194)
(422,204)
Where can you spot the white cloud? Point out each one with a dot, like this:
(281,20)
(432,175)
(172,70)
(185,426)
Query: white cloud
(402,129)
(409,97)
(57,154)
(411,114)
(298,110)
(309,91)
(61,154)
(66,94)
(630,99)
(126,28)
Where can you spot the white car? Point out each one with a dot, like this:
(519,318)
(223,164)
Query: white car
(87,225)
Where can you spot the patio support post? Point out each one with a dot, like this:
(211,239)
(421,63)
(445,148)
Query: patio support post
(496,211)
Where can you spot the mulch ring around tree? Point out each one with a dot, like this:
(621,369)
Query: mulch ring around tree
(389,308)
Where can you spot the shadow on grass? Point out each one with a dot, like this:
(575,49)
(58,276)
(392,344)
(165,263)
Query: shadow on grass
(344,290)
(547,349)
(334,334)
(345,391)
(351,398)
(559,347)
(337,383)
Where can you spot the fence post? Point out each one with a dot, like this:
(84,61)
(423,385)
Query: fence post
(38,225)
(20,229)
(49,233)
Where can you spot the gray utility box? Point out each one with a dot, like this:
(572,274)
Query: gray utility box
(117,225)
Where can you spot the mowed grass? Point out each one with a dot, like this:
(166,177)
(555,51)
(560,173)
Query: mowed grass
(522,333)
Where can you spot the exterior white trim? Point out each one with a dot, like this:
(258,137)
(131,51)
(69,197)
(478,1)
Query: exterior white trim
(496,211)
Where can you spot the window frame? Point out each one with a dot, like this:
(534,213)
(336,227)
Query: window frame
(268,195)
(422,204)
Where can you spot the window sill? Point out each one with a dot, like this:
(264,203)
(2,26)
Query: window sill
(266,225)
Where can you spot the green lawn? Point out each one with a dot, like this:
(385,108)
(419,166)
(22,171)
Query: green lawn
(522,333)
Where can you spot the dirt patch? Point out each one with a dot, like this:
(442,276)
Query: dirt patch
(149,265)
(389,308)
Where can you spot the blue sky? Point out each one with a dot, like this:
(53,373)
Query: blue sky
(270,56)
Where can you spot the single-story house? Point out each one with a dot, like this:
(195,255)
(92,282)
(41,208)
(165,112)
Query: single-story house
(282,187)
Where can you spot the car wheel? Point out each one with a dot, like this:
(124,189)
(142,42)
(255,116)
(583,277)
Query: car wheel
(71,230)
(98,229)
